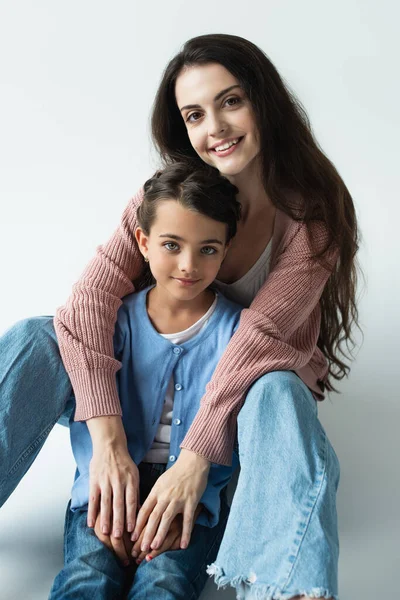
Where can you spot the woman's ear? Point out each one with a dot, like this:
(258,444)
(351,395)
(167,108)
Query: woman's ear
(142,241)
(227,246)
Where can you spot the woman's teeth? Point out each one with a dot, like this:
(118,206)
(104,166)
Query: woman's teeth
(226,146)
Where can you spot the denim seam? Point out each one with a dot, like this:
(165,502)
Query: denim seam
(31,449)
(311,504)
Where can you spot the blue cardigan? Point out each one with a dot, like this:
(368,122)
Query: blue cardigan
(148,362)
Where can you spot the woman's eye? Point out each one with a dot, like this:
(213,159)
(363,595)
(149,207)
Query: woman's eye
(171,246)
(208,250)
(192,117)
(232,101)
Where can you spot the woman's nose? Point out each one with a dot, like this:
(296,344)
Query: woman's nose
(216,125)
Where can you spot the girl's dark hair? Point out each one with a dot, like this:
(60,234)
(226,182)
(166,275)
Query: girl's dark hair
(292,161)
(199,188)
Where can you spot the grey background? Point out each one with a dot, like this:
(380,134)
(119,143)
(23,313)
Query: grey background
(77,80)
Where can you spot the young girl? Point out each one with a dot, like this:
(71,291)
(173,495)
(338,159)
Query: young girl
(292,264)
(169,338)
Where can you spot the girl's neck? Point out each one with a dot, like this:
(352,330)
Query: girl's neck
(170,315)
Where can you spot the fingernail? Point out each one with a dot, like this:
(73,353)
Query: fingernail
(90,523)
(134,554)
(145,547)
(117,533)
(126,563)
(149,558)
(104,529)
(135,536)
(138,562)
(130,527)
(184,545)
(155,545)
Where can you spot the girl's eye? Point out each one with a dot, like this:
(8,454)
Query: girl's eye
(208,250)
(171,246)
(192,117)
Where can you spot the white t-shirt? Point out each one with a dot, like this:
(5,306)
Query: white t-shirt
(159,451)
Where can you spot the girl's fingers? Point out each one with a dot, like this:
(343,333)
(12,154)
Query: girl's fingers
(94,505)
(120,550)
(118,510)
(105,510)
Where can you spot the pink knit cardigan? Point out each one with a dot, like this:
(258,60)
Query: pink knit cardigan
(279,331)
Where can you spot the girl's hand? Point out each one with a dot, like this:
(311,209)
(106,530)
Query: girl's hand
(121,547)
(114,478)
(177,491)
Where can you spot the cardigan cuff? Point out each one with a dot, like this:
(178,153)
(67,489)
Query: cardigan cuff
(212,434)
(95,394)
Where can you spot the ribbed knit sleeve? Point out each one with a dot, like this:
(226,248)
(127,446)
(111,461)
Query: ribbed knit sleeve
(279,331)
(85,324)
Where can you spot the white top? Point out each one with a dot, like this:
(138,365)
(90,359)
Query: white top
(244,290)
(159,451)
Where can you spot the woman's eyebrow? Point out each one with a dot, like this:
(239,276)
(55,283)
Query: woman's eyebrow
(217,97)
(178,238)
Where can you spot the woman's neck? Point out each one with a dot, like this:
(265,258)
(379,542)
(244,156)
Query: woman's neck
(172,315)
(252,195)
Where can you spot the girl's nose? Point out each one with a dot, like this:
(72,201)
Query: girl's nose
(188,264)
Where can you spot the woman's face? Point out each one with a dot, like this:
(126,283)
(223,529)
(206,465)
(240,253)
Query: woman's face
(219,118)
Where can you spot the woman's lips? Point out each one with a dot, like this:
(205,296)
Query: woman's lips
(227,152)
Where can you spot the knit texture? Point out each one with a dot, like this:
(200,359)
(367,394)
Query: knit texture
(279,331)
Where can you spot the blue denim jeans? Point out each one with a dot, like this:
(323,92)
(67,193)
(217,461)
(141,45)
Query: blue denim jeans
(91,570)
(281,536)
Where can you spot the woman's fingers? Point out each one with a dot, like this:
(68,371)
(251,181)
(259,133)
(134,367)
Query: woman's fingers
(118,509)
(93,505)
(105,510)
(171,513)
(152,525)
(131,505)
(143,515)
(188,521)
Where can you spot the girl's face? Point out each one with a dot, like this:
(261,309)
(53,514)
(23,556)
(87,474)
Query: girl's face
(219,118)
(185,250)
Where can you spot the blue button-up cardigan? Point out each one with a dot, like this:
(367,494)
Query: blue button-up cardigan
(148,361)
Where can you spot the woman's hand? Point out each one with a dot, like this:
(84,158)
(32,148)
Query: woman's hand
(171,542)
(114,478)
(177,491)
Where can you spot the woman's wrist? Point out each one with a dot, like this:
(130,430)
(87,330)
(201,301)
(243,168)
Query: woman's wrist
(107,431)
(191,458)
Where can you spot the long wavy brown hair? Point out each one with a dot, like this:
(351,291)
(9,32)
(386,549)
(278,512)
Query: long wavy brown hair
(291,159)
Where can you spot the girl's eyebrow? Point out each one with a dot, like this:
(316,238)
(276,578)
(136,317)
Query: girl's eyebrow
(181,239)
(217,97)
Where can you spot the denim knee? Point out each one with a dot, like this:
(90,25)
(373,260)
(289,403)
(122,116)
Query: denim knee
(278,391)
(35,328)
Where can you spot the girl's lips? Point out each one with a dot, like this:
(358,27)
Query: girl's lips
(228,151)
(186,282)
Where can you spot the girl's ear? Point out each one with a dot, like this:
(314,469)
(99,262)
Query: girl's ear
(142,241)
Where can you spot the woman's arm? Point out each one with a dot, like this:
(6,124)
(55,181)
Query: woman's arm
(85,324)
(279,331)
(85,327)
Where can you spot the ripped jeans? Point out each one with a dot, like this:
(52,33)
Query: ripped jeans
(281,536)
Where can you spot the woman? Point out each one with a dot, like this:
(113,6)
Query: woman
(292,263)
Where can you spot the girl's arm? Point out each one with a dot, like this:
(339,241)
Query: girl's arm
(85,327)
